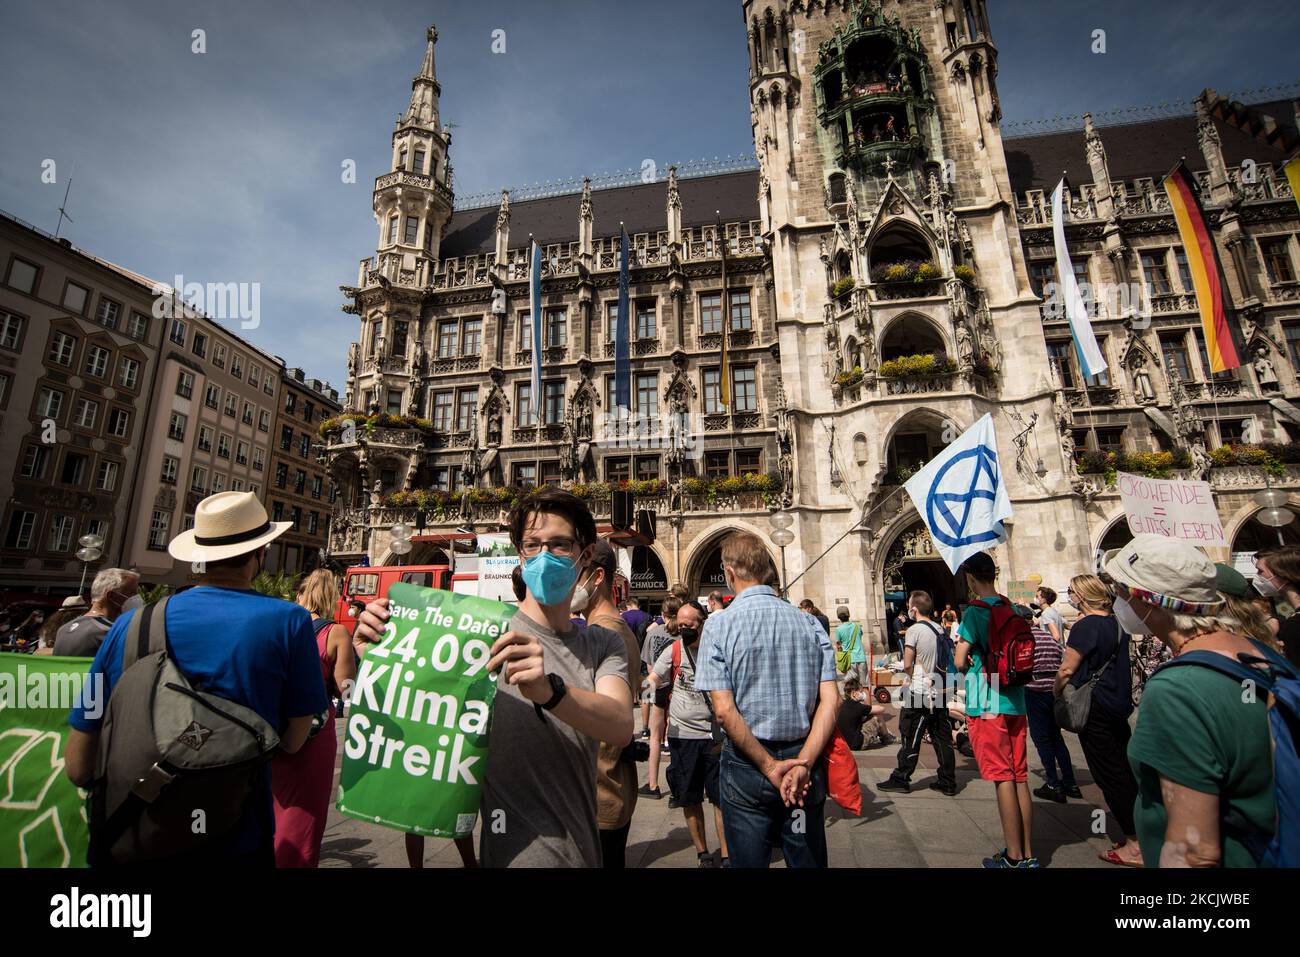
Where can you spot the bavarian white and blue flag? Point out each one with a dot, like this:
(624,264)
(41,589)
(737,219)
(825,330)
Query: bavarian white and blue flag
(961,496)
(1091,361)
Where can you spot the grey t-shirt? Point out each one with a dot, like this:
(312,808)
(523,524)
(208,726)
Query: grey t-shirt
(657,639)
(688,712)
(81,637)
(539,785)
(922,636)
(1050,614)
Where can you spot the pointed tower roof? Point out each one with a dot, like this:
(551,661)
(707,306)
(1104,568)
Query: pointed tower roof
(425,90)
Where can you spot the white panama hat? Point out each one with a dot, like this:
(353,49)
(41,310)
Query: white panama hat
(226,525)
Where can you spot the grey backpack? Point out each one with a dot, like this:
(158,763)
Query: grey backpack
(176,765)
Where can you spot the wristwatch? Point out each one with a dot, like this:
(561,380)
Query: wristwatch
(558,691)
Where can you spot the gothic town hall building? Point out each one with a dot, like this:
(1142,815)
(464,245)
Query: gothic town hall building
(883,279)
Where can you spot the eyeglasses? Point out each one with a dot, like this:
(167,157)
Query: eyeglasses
(561,547)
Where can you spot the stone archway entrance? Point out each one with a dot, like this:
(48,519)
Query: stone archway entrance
(707,574)
(649,581)
(1253,536)
(912,564)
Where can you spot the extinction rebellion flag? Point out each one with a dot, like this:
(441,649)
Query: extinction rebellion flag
(418,716)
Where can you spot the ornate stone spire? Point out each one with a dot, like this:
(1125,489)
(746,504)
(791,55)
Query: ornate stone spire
(585,218)
(424,87)
(503,227)
(674,209)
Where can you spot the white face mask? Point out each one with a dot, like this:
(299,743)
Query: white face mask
(581,598)
(1130,620)
(1266,587)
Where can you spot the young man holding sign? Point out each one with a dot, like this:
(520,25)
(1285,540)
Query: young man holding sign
(562,689)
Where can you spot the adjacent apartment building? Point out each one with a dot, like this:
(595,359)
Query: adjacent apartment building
(298,485)
(78,351)
(121,411)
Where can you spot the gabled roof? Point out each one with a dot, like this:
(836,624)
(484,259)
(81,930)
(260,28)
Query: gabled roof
(642,208)
(1149,148)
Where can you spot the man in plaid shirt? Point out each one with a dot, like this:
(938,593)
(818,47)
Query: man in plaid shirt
(771,671)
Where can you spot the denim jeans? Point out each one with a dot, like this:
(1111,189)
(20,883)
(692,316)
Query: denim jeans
(756,819)
(1048,741)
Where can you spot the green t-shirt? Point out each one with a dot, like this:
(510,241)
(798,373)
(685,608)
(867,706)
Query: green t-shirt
(849,635)
(1194,728)
(981,697)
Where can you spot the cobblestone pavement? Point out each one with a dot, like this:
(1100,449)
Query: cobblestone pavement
(920,829)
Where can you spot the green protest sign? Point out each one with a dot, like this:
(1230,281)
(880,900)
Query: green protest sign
(42,814)
(417,728)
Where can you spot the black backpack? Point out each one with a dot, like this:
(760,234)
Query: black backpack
(176,765)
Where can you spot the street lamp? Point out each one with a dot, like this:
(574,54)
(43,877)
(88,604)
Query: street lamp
(401,542)
(1272,511)
(781,537)
(92,547)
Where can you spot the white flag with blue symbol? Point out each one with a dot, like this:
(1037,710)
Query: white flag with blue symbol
(961,497)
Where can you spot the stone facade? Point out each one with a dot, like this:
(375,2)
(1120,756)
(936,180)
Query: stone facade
(890,257)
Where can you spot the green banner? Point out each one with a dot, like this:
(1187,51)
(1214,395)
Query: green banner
(42,815)
(417,727)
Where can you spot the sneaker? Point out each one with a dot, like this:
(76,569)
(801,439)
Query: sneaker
(645,732)
(666,751)
(893,784)
(1072,791)
(672,801)
(1029,863)
(1049,793)
(706,860)
(726,862)
(950,790)
(1000,862)
(647,791)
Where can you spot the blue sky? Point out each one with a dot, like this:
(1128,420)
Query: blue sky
(225,166)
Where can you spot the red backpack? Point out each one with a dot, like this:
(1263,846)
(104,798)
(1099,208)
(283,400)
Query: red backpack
(1010,654)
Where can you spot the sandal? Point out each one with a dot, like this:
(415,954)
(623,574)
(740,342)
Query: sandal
(1111,857)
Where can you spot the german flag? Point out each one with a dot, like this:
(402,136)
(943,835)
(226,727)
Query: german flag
(1207,275)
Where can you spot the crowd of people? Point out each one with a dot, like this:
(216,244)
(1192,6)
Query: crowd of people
(739,695)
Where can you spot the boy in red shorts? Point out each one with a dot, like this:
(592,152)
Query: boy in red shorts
(997,722)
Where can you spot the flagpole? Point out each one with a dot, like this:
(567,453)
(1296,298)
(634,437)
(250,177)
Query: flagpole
(725,397)
(1064,190)
(852,528)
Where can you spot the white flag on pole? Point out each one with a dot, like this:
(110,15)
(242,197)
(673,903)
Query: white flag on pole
(1090,357)
(961,497)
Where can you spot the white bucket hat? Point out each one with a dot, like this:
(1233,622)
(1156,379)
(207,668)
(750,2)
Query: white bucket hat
(226,525)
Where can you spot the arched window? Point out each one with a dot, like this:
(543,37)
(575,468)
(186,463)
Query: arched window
(897,243)
(911,336)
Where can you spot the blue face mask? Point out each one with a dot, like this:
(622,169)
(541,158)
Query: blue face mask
(549,577)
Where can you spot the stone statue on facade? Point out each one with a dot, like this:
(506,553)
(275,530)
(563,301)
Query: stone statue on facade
(376,492)
(1200,461)
(354,356)
(1067,448)
(1142,387)
(1264,369)
(965,348)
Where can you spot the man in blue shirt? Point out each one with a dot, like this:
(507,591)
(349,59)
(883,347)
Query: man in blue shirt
(771,671)
(249,648)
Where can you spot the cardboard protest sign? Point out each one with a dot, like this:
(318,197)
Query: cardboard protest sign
(418,717)
(42,814)
(1023,592)
(1172,508)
